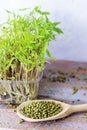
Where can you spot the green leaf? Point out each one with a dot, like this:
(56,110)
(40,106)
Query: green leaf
(8,11)
(50,55)
(37,9)
(56,23)
(23,9)
(58,30)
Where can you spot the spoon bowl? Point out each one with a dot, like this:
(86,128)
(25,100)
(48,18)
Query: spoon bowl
(67,110)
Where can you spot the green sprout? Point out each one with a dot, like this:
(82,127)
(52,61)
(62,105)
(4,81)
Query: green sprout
(24,41)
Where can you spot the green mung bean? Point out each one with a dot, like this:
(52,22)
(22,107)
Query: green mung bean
(41,109)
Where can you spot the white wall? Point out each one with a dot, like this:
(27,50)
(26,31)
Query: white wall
(72,45)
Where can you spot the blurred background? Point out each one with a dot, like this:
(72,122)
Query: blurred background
(72,45)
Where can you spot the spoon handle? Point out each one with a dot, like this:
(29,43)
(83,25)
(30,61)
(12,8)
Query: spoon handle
(79,108)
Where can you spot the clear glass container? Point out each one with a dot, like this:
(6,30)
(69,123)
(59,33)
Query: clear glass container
(19,91)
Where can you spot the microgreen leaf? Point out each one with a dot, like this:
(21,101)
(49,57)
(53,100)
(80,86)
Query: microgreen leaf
(58,30)
(50,55)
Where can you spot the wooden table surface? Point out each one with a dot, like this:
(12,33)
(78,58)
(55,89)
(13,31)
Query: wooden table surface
(55,90)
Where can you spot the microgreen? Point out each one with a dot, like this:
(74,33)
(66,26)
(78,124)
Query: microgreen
(24,41)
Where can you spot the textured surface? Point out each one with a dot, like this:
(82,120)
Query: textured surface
(56,90)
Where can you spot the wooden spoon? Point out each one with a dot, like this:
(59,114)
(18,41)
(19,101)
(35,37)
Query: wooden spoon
(67,110)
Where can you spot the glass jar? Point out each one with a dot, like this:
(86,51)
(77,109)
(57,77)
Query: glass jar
(19,91)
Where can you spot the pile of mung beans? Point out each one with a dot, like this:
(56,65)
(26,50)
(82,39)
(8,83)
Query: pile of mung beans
(41,109)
